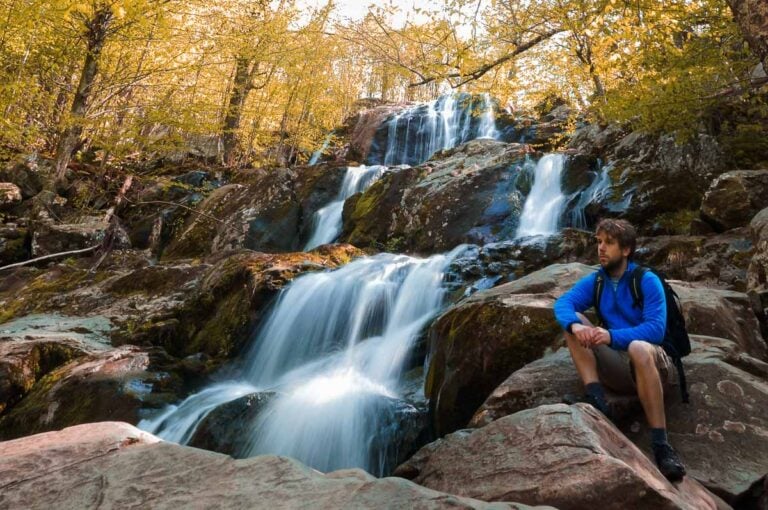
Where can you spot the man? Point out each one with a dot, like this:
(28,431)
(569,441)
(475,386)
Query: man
(626,354)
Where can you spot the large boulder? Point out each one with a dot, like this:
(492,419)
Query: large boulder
(726,414)
(477,343)
(722,313)
(734,198)
(116,466)
(569,457)
(462,195)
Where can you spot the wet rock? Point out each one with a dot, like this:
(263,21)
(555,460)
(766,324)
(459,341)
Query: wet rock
(10,195)
(108,385)
(462,195)
(569,457)
(734,198)
(229,426)
(477,343)
(363,128)
(118,466)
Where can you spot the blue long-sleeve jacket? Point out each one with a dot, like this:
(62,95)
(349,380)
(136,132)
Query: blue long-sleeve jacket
(624,322)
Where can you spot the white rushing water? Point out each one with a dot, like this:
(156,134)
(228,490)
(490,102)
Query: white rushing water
(415,134)
(327,222)
(319,152)
(544,204)
(333,349)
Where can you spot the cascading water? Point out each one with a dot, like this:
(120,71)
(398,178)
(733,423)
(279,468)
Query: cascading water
(319,152)
(333,349)
(414,135)
(327,221)
(544,205)
(595,193)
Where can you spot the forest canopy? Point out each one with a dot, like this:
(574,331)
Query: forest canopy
(265,81)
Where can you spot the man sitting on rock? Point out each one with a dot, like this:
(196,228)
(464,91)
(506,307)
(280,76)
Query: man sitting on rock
(627,356)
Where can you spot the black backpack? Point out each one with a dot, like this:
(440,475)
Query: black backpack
(676,342)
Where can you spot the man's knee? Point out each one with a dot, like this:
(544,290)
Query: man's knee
(641,354)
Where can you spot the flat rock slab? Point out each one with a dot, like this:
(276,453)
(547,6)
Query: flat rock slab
(114,465)
(566,456)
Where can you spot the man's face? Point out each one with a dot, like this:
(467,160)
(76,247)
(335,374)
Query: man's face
(609,252)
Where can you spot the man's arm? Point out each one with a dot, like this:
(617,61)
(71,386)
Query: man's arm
(654,324)
(578,299)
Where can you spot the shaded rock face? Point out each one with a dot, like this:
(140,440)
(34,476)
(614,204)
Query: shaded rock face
(757,277)
(25,176)
(14,244)
(734,198)
(269,210)
(650,176)
(477,343)
(363,128)
(109,385)
(48,238)
(116,465)
(23,361)
(719,261)
(569,457)
(726,412)
(463,195)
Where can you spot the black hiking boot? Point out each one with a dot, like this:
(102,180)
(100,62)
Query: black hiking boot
(669,462)
(604,408)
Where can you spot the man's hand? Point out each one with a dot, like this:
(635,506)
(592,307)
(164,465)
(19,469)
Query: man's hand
(600,336)
(583,334)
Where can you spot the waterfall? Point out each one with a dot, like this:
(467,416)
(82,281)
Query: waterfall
(544,204)
(333,348)
(327,221)
(594,193)
(319,152)
(413,135)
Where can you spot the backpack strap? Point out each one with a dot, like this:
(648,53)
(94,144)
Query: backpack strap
(681,376)
(598,291)
(635,286)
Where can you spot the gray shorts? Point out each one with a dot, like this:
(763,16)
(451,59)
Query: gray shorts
(615,370)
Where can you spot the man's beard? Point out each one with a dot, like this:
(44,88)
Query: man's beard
(613,264)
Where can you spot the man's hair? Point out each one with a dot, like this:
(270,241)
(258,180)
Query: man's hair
(622,231)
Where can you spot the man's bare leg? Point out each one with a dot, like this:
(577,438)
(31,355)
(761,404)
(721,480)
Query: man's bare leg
(583,357)
(649,387)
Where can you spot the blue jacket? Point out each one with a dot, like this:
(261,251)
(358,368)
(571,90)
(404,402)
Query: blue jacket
(624,322)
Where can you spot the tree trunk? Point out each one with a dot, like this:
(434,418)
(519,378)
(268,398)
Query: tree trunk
(234,113)
(97,29)
(752,18)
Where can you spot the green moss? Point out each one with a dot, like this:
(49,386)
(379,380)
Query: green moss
(230,320)
(676,223)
